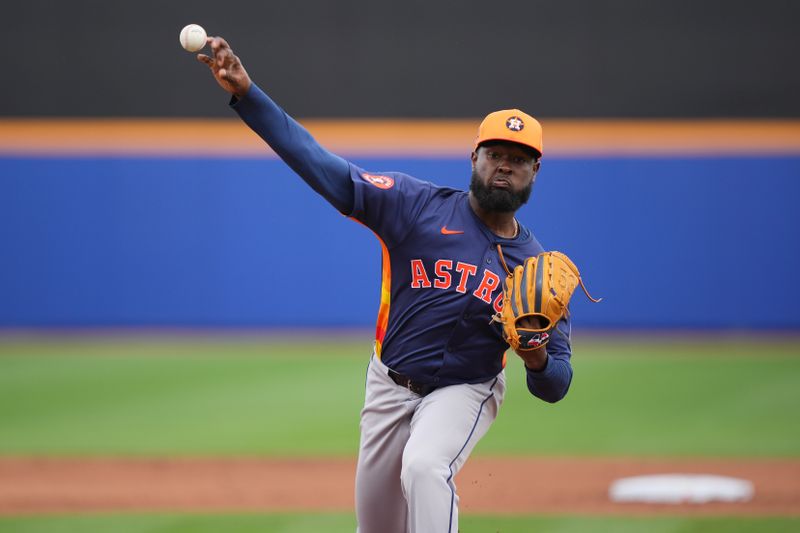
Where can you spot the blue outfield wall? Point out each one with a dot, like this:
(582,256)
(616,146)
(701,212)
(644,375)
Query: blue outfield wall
(694,242)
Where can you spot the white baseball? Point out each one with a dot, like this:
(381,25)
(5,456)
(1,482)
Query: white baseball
(193,37)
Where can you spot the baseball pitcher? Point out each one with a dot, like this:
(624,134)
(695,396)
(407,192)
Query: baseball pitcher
(462,281)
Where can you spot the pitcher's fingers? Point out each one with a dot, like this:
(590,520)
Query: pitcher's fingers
(218,44)
(205,59)
(223,55)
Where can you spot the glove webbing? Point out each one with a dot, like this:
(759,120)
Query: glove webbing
(580,280)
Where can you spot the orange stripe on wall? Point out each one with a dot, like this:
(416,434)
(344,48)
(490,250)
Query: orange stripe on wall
(434,138)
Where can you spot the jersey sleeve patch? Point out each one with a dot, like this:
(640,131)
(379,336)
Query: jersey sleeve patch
(381,182)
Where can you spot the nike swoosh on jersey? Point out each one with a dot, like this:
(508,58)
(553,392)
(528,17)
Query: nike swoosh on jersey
(446,231)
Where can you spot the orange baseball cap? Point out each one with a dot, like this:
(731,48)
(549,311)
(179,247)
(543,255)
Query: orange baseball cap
(511,125)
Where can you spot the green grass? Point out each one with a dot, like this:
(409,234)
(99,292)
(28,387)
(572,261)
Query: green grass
(218,396)
(662,399)
(173,398)
(344,523)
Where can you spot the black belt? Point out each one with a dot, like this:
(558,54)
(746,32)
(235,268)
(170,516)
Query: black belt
(417,388)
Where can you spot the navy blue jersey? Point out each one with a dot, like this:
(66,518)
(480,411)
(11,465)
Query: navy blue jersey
(444,278)
(441,273)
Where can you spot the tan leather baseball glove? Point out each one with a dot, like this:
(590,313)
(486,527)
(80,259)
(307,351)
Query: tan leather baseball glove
(535,297)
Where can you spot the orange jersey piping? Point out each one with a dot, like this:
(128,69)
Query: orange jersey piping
(382,321)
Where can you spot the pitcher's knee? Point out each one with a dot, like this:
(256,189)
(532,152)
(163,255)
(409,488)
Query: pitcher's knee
(423,470)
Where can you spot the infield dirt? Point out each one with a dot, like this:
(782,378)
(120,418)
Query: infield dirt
(486,485)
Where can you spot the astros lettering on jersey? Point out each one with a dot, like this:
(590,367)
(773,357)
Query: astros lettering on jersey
(442,278)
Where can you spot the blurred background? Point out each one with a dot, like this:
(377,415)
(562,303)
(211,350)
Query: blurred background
(113,215)
(131,196)
(139,216)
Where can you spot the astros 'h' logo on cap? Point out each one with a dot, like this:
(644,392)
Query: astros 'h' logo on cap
(512,125)
(515,124)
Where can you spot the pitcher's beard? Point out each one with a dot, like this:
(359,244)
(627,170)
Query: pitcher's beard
(498,200)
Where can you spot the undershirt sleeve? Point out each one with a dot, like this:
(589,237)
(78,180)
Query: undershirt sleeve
(326,173)
(552,383)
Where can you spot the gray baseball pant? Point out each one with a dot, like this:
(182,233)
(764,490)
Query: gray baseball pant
(411,449)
